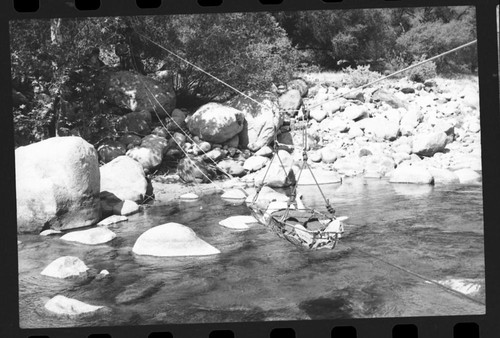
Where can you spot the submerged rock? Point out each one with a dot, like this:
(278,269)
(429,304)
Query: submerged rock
(91,236)
(234,194)
(62,305)
(112,220)
(64,267)
(126,208)
(137,291)
(170,240)
(189,197)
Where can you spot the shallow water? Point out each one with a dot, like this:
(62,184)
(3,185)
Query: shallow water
(398,240)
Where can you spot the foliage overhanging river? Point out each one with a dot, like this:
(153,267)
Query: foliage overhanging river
(436,232)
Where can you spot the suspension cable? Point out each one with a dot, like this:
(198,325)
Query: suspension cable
(205,72)
(395,73)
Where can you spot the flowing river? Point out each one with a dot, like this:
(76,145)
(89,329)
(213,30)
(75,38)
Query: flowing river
(407,250)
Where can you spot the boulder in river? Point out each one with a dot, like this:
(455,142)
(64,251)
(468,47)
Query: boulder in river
(255,163)
(238,222)
(125,208)
(65,306)
(262,121)
(429,144)
(170,240)
(411,174)
(149,158)
(216,123)
(113,219)
(468,176)
(57,185)
(94,236)
(124,178)
(64,267)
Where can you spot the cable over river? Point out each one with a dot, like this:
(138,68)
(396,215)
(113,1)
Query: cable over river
(407,250)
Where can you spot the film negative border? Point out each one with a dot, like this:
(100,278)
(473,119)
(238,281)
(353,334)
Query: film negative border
(484,326)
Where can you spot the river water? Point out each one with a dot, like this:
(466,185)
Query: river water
(399,241)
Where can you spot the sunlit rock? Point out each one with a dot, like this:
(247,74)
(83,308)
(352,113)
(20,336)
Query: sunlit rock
(92,236)
(112,220)
(170,240)
(65,267)
(62,305)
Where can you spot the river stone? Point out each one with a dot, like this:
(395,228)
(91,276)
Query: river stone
(232,167)
(332,107)
(443,176)
(329,154)
(321,176)
(318,114)
(125,208)
(57,185)
(138,291)
(171,240)
(189,197)
(262,121)
(234,194)
(264,151)
(216,123)
(298,84)
(65,267)
(92,236)
(410,120)
(149,158)
(130,140)
(132,91)
(255,163)
(113,219)
(290,102)
(155,142)
(350,165)
(279,174)
(50,232)
(266,195)
(109,150)
(355,112)
(429,144)
(238,222)
(383,95)
(215,155)
(62,305)
(411,174)
(136,122)
(124,178)
(380,128)
(191,169)
(468,176)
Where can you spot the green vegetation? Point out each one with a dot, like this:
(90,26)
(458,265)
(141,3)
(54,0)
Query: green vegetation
(251,51)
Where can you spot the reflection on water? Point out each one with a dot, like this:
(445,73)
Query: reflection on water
(435,232)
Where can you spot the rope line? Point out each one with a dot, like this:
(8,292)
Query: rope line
(395,73)
(204,72)
(458,293)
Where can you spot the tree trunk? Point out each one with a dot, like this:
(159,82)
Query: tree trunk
(55,31)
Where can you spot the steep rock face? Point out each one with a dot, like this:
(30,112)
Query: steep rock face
(134,92)
(216,123)
(57,185)
(262,121)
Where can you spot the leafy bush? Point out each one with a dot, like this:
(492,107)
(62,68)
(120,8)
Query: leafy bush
(359,76)
(423,72)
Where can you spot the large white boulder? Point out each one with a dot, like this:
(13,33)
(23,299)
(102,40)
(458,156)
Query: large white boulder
(64,267)
(411,174)
(468,176)
(429,144)
(65,306)
(216,123)
(262,121)
(379,128)
(124,177)
(255,163)
(170,240)
(92,236)
(57,185)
